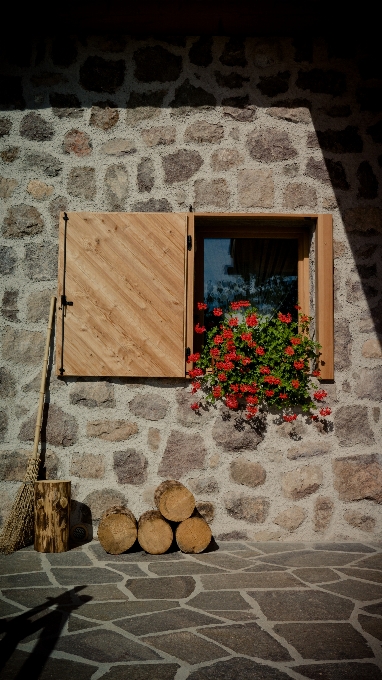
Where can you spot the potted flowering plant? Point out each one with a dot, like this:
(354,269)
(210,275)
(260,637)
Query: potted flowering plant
(257,362)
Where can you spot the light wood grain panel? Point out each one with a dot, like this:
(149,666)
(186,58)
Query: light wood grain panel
(251,215)
(303,273)
(324,295)
(190,285)
(251,232)
(126,276)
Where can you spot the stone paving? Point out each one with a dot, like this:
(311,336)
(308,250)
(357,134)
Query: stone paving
(268,611)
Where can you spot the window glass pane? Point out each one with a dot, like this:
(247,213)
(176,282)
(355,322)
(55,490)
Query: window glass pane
(261,270)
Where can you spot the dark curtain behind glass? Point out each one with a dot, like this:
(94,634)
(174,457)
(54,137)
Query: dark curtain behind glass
(261,270)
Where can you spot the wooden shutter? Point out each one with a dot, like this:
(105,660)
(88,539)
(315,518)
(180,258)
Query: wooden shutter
(126,276)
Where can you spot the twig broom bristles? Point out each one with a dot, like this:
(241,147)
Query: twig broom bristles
(18,529)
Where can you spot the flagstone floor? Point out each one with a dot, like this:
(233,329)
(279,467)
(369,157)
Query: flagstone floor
(267,611)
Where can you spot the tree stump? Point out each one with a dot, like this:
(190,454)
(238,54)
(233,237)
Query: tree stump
(155,535)
(117,530)
(51,516)
(193,535)
(174,501)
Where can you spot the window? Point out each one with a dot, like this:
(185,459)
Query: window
(264,254)
(134,280)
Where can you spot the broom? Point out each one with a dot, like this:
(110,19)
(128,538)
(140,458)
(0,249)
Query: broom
(18,529)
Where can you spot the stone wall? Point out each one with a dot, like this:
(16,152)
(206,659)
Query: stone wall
(225,125)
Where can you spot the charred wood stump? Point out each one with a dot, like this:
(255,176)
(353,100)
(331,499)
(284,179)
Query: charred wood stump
(51,516)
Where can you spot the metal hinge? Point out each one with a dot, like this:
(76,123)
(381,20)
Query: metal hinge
(189,242)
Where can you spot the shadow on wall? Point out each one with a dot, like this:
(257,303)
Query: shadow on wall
(334,83)
(81,524)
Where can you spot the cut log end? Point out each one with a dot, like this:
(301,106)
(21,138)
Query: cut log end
(155,535)
(193,535)
(117,530)
(174,501)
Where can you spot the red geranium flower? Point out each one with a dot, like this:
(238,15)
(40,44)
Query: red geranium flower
(195,406)
(252,400)
(233,322)
(288,419)
(295,341)
(251,411)
(295,384)
(297,307)
(283,396)
(195,373)
(215,352)
(195,387)
(246,337)
(298,365)
(217,311)
(225,365)
(201,305)
(217,391)
(235,388)
(218,339)
(320,395)
(193,357)
(199,329)
(272,380)
(251,320)
(289,351)
(231,401)
(227,334)
(269,393)
(285,318)
(222,377)
(316,373)
(239,304)
(304,319)
(245,361)
(245,388)
(264,370)
(260,351)
(325,412)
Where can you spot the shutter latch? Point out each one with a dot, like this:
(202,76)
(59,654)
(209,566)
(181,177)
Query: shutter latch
(189,242)
(65,303)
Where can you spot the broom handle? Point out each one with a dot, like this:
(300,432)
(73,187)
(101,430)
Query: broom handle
(43,379)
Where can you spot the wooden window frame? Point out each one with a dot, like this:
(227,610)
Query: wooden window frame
(324,307)
(285,227)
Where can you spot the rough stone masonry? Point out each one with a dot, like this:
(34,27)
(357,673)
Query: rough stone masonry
(225,124)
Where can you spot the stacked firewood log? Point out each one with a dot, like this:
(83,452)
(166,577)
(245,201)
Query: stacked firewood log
(175,517)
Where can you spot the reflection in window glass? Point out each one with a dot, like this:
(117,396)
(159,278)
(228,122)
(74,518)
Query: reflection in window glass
(261,270)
